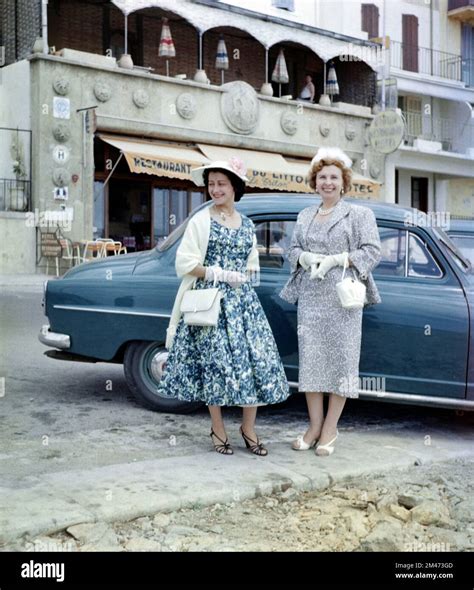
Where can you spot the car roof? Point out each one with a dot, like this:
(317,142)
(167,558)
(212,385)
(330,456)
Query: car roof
(461,225)
(295,202)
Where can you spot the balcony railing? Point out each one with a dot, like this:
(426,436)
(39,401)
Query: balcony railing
(454,136)
(15,195)
(468,71)
(425,61)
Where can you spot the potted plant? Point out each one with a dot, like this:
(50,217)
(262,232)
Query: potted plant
(18,197)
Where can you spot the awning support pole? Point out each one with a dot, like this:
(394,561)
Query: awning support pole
(112,171)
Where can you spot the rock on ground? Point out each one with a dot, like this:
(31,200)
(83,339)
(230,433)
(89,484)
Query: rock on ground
(424,508)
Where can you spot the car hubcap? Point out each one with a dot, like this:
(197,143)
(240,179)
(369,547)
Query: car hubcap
(157,364)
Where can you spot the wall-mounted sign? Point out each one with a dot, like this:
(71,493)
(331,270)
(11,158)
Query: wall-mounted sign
(50,245)
(61,193)
(61,107)
(61,154)
(386,132)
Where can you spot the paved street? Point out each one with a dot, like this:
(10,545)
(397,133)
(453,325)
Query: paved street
(77,448)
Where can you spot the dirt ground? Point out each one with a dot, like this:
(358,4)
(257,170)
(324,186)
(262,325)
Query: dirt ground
(425,508)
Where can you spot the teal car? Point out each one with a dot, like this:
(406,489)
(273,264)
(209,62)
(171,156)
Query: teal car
(417,345)
(461,232)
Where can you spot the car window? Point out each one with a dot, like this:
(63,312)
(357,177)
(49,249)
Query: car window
(273,240)
(393,252)
(466,245)
(421,262)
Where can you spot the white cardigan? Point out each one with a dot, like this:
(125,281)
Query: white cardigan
(190,253)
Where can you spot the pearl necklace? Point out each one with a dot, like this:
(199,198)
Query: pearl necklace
(327,211)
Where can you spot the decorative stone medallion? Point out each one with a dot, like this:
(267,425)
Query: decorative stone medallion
(324,129)
(350,132)
(240,107)
(102,91)
(289,122)
(186,105)
(61,133)
(374,170)
(61,177)
(61,86)
(141,98)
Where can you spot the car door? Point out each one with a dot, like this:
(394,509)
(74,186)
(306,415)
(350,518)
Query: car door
(273,238)
(417,338)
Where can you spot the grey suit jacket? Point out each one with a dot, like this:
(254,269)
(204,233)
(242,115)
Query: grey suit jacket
(353,229)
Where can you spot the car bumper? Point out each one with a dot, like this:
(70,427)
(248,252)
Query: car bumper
(54,339)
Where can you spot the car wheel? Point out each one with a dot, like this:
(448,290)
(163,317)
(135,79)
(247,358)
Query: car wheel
(143,367)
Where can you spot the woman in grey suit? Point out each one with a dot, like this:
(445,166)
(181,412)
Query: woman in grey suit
(329,336)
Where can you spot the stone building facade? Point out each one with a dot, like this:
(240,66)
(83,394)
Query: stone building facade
(112,146)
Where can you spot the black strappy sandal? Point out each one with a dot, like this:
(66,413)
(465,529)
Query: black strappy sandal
(224,448)
(255,447)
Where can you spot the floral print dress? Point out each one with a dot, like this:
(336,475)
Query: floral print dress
(237,362)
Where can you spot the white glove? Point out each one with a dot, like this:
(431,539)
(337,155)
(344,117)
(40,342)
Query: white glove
(309,259)
(234,278)
(328,263)
(213,273)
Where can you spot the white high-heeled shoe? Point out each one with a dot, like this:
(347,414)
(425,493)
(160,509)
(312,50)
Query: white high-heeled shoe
(328,448)
(301,445)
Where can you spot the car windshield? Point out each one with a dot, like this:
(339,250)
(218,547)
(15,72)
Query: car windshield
(463,263)
(176,234)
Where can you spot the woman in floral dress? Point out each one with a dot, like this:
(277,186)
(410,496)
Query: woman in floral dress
(237,362)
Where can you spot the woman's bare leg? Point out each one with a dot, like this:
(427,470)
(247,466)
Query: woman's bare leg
(314,401)
(217,422)
(249,416)
(335,407)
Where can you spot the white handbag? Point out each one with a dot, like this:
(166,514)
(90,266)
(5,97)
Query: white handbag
(351,292)
(201,307)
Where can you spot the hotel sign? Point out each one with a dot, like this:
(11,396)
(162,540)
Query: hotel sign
(386,132)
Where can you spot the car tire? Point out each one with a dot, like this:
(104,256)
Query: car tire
(143,366)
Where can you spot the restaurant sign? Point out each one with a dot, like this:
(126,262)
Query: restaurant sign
(263,179)
(144,164)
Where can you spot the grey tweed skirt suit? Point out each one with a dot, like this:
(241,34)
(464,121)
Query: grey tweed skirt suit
(329,336)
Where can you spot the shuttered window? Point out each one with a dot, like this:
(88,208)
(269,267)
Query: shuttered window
(410,42)
(370,20)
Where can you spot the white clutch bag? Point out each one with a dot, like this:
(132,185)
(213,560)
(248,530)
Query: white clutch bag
(351,292)
(201,307)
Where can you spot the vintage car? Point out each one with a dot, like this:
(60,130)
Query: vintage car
(461,232)
(417,347)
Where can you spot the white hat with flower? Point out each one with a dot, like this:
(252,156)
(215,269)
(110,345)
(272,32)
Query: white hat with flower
(233,165)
